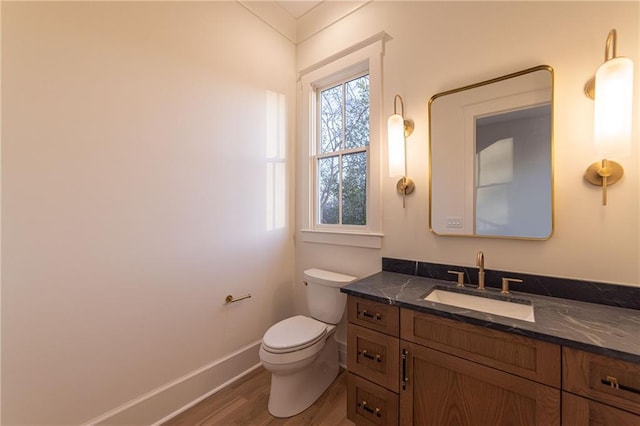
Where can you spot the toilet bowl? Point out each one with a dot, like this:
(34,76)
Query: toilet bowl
(301,352)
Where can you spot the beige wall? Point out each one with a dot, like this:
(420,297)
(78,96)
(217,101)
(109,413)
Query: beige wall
(134,198)
(133,178)
(436,46)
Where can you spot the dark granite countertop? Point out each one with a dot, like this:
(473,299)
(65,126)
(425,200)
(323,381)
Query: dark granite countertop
(602,329)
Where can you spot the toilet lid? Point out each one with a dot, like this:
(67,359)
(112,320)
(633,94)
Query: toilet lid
(294,333)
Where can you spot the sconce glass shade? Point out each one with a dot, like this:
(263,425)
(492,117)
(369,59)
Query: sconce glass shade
(395,141)
(613,105)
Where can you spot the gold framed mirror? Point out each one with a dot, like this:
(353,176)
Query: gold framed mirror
(491,157)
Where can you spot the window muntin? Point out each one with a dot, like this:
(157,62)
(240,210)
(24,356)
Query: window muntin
(342,162)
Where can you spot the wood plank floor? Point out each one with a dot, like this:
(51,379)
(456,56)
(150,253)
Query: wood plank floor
(245,403)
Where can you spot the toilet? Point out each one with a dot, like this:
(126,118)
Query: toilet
(301,352)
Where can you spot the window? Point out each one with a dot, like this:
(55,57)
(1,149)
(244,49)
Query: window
(494,165)
(342,147)
(341,125)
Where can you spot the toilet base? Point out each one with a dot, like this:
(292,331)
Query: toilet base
(293,393)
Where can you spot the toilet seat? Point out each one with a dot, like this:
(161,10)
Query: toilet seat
(293,334)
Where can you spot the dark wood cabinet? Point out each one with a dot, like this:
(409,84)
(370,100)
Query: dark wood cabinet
(411,368)
(462,374)
(373,353)
(443,389)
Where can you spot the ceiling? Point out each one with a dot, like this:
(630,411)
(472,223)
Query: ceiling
(298,20)
(298,8)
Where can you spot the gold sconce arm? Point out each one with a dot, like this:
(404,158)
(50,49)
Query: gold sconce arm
(405,186)
(604,173)
(610,52)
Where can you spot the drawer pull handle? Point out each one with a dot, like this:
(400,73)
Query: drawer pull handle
(405,379)
(613,383)
(366,313)
(366,354)
(366,408)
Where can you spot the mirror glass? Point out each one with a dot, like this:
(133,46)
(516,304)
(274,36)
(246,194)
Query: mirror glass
(491,160)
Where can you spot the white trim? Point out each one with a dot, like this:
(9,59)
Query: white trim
(343,238)
(381,36)
(366,54)
(169,400)
(324,15)
(274,16)
(206,395)
(301,28)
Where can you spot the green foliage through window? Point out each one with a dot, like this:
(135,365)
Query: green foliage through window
(342,158)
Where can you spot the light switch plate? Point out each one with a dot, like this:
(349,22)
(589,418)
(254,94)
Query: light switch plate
(454,222)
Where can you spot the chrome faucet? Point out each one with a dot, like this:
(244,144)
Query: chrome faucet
(480,265)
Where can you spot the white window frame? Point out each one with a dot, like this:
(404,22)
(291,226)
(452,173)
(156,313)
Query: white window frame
(365,57)
(340,153)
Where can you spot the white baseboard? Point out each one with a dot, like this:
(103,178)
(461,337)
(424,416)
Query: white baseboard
(169,400)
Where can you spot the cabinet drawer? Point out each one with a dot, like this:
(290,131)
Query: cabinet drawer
(374,315)
(370,404)
(612,381)
(580,411)
(374,356)
(519,355)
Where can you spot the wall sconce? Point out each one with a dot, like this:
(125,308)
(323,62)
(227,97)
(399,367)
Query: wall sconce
(612,90)
(398,130)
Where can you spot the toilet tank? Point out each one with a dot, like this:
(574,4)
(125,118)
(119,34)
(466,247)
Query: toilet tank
(324,300)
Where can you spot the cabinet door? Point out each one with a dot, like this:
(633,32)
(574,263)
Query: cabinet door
(578,411)
(442,389)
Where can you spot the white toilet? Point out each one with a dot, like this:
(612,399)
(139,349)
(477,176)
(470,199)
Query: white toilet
(301,352)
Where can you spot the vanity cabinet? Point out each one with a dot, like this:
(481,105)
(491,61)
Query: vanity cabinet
(373,353)
(457,373)
(411,368)
(599,390)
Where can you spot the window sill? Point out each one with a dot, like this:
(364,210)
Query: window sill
(342,238)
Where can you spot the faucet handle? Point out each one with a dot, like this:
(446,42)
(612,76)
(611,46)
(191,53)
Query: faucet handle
(460,277)
(505,284)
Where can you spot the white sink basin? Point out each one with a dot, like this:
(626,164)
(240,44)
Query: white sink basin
(483,304)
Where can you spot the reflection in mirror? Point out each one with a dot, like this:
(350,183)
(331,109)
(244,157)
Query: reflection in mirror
(491,157)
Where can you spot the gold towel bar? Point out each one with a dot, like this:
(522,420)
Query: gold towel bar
(231,299)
